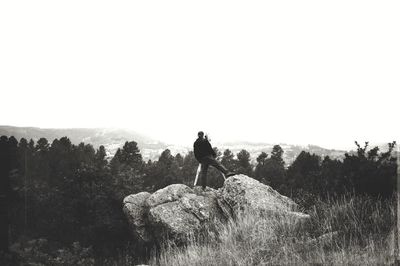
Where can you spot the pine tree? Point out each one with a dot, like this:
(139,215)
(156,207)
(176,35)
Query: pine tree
(228,160)
(4,191)
(244,165)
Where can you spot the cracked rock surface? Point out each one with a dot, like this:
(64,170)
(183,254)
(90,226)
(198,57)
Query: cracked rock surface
(177,210)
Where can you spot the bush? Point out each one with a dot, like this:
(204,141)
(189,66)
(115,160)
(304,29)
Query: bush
(348,230)
(43,252)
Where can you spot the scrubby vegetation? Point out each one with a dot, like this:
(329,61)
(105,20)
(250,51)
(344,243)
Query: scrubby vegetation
(351,230)
(64,205)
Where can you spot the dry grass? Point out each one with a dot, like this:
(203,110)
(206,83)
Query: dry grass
(362,237)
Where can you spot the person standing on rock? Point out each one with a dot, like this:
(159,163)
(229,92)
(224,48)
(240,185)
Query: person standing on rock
(205,155)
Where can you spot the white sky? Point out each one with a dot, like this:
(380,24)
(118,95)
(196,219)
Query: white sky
(301,72)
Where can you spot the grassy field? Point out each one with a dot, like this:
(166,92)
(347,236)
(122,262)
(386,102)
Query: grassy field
(351,230)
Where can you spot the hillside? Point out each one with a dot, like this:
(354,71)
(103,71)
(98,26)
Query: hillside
(113,138)
(290,151)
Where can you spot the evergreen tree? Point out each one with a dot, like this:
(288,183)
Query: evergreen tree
(130,155)
(127,170)
(370,171)
(189,168)
(179,160)
(228,160)
(305,172)
(101,160)
(166,169)
(332,178)
(244,165)
(276,155)
(4,192)
(261,161)
(271,171)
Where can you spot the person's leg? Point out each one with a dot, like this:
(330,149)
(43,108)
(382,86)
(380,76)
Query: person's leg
(204,168)
(218,165)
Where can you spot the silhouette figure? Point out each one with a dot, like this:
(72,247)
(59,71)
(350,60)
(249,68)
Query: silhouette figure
(205,155)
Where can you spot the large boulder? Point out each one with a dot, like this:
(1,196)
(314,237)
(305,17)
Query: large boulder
(241,192)
(136,211)
(181,212)
(168,194)
(178,211)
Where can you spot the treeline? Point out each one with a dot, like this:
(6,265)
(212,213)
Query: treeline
(65,192)
(366,171)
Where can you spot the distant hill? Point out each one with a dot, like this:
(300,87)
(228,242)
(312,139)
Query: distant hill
(290,151)
(111,138)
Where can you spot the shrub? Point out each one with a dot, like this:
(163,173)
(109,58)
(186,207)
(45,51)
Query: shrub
(348,230)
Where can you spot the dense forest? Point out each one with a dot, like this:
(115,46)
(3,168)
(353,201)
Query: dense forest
(69,197)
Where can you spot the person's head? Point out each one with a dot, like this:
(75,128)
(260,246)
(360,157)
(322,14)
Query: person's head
(200,134)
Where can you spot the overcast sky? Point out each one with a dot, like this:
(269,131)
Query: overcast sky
(301,72)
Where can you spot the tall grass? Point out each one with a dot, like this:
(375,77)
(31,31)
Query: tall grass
(351,230)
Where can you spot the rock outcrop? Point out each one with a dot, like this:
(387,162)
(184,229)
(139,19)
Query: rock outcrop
(242,192)
(177,210)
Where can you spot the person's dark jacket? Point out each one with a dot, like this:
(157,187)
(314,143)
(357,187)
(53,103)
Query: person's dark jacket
(202,148)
